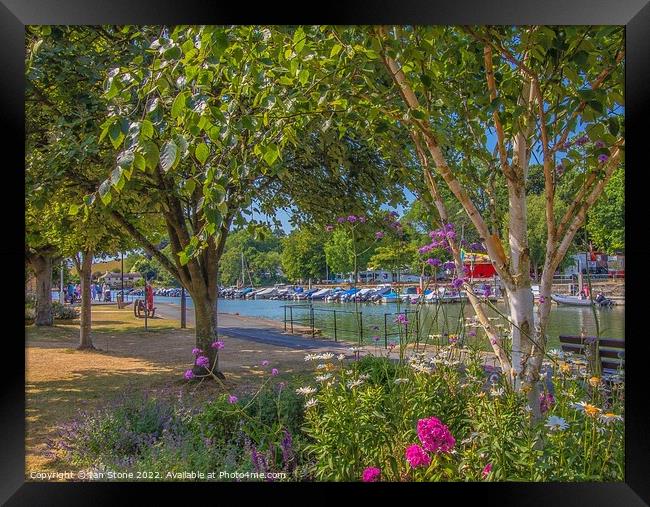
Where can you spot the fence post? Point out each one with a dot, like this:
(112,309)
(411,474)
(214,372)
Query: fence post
(285,318)
(385,332)
(311,310)
(360,328)
(417,326)
(335,338)
(291,316)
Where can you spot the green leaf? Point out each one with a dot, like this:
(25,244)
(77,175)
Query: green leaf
(303,76)
(178,106)
(168,155)
(139,162)
(336,49)
(271,154)
(202,153)
(116,175)
(74,209)
(146,129)
(116,135)
(151,154)
(105,192)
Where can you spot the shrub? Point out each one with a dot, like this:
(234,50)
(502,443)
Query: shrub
(62,312)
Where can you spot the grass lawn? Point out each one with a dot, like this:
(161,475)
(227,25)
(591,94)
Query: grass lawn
(61,380)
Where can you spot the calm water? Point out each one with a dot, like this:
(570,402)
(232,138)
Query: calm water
(432,319)
(378,319)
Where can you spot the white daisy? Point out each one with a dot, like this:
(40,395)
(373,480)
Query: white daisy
(326,356)
(306,390)
(310,403)
(354,383)
(609,418)
(401,380)
(555,423)
(323,378)
(340,357)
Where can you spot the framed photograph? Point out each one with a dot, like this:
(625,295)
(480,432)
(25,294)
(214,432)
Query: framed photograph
(382,247)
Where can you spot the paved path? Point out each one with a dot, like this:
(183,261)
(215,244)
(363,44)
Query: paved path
(254,329)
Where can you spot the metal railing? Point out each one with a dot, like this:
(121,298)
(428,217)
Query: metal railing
(328,323)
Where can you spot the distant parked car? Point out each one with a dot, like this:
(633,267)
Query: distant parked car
(598,270)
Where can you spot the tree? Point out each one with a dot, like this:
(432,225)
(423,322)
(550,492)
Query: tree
(303,254)
(606,220)
(550,92)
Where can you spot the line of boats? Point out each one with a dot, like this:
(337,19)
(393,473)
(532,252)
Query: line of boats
(379,294)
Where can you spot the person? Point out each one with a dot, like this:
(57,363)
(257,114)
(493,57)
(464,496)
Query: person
(148,290)
(70,292)
(600,297)
(77,291)
(93,291)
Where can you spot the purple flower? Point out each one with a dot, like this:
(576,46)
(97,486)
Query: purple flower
(392,344)
(603,158)
(472,332)
(546,401)
(451,235)
(218,345)
(434,262)
(371,474)
(379,235)
(375,338)
(340,220)
(401,319)
(232,399)
(559,170)
(196,352)
(487,291)
(449,265)
(189,375)
(203,361)
(352,219)
(542,299)
(582,140)
(362,219)
(274,372)
(457,283)
(435,436)
(433,234)
(416,456)
(486,470)
(329,228)
(599,144)
(424,249)
(265,363)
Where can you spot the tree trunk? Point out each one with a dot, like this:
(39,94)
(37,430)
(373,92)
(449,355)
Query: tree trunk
(205,318)
(42,266)
(85,274)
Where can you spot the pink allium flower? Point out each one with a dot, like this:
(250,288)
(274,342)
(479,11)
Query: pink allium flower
(435,436)
(232,399)
(486,470)
(265,363)
(352,219)
(329,228)
(603,158)
(472,333)
(340,220)
(203,361)
(599,144)
(196,352)
(362,219)
(217,345)
(371,474)
(416,456)
(189,375)
(401,319)
(379,235)
(274,372)
(546,402)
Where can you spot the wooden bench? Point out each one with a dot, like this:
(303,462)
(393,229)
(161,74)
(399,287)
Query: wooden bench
(610,350)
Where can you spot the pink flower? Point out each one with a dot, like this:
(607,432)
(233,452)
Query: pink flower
(329,228)
(232,399)
(603,158)
(546,402)
(542,299)
(274,372)
(217,345)
(196,352)
(340,220)
(486,471)
(189,375)
(416,456)
(265,363)
(379,235)
(352,219)
(362,219)
(371,474)
(401,319)
(203,361)
(435,436)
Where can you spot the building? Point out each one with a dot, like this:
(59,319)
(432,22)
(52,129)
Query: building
(114,280)
(478,265)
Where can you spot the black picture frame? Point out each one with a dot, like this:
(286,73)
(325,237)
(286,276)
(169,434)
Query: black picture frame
(634,14)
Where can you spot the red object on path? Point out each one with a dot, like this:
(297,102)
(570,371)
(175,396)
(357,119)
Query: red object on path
(148,290)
